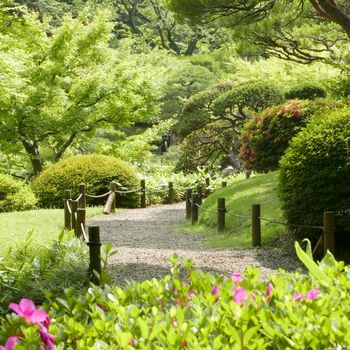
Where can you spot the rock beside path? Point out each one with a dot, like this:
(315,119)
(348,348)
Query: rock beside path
(146,238)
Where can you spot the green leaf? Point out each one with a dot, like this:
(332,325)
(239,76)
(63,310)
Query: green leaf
(313,268)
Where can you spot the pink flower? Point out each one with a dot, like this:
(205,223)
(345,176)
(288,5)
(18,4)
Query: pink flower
(268,291)
(239,295)
(191,293)
(215,290)
(313,294)
(185,283)
(47,338)
(237,277)
(132,341)
(26,309)
(10,344)
(174,322)
(298,296)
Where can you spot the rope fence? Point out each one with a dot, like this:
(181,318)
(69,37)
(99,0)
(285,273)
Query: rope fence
(325,242)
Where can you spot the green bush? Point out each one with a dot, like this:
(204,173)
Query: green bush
(306,92)
(96,171)
(15,195)
(196,310)
(266,137)
(39,272)
(315,171)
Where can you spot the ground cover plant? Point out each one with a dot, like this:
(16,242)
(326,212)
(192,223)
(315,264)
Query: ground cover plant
(240,195)
(195,310)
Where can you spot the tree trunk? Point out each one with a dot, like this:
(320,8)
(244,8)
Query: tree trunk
(32,149)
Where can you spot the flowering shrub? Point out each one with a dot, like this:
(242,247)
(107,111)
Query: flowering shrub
(266,136)
(196,310)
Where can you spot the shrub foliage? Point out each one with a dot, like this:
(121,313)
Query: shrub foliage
(15,195)
(306,92)
(195,310)
(96,171)
(315,171)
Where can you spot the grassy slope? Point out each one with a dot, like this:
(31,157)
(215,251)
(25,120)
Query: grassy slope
(47,223)
(240,196)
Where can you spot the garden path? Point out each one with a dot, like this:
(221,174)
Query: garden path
(146,238)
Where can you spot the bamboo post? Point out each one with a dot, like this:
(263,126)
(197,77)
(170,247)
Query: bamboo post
(74,207)
(113,187)
(67,209)
(95,254)
(110,204)
(143,193)
(224,184)
(194,208)
(221,214)
(328,231)
(256,225)
(81,218)
(200,194)
(171,193)
(188,203)
(82,191)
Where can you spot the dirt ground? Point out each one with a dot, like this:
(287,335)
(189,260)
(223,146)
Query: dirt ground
(146,238)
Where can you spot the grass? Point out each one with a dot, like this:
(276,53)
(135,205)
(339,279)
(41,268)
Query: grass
(46,223)
(240,196)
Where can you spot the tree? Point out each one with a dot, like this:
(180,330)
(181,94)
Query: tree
(58,84)
(304,31)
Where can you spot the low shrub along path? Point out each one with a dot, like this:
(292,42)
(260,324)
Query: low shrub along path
(145,239)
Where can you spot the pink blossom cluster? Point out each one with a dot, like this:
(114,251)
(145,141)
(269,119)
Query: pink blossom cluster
(292,108)
(26,309)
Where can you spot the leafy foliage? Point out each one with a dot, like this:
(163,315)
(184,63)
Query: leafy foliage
(306,92)
(193,309)
(64,83)
(42,272)
(315,170)
(96,171)
(15,195)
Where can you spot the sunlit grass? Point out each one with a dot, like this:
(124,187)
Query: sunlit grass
(240,196)
(46,223)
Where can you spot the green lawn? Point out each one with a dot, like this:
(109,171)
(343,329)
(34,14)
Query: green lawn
(46,223)
(240,196)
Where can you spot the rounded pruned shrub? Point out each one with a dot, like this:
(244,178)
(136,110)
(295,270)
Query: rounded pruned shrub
(315,171)
(266,137)
(15,195)
(306,92)
(95,170)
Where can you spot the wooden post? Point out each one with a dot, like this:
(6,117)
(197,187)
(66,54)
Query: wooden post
(143,193)
(221,214)
(81,218)
(95,254)
(188,203)
(194,208)
(74,215)
(200,194)
(67,209)
(224,184)
(109,204)
(113,187)
(256,225)
(82,191)
(171,193)
(328,231)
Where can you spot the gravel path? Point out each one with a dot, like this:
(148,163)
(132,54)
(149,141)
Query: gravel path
(146,238)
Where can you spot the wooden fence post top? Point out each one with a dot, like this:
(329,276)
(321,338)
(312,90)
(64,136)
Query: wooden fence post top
(67,194)
(94,234)
(113,186)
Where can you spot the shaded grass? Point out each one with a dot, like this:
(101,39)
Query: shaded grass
(261,189)
(46,223)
